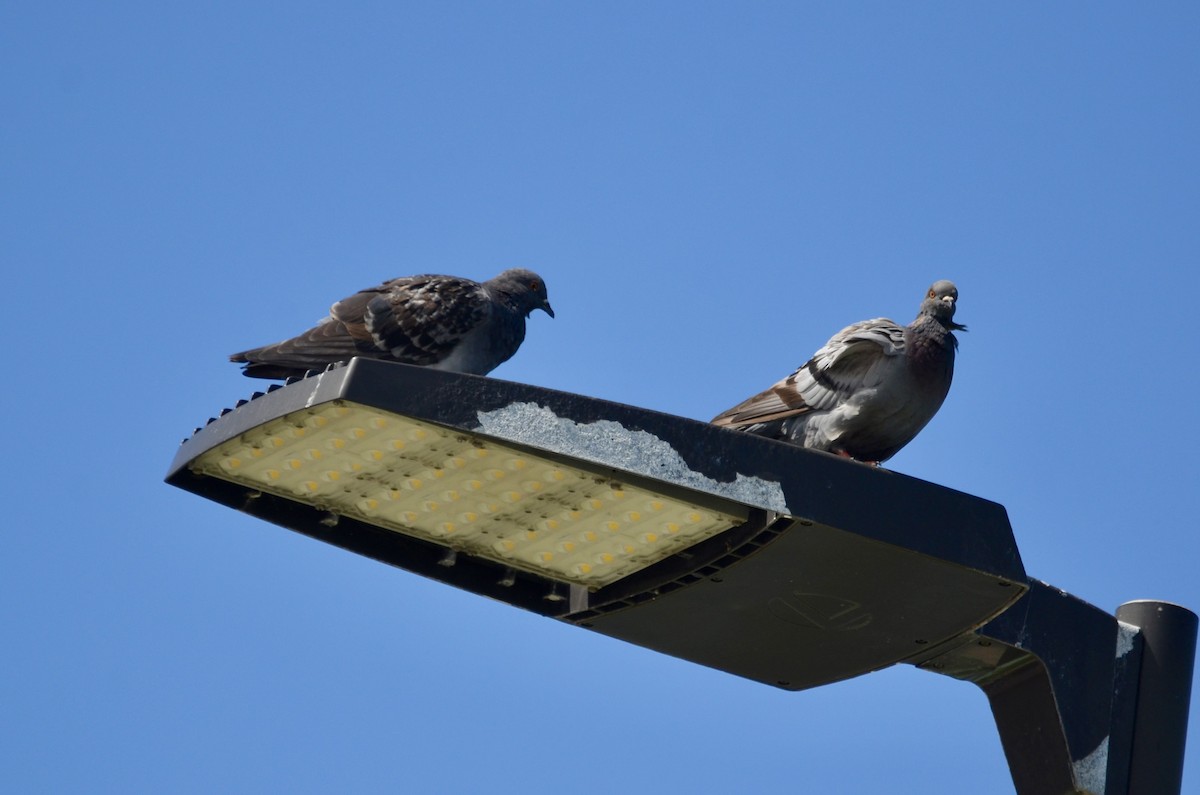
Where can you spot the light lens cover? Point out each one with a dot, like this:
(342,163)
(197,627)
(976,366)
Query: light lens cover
(476,495)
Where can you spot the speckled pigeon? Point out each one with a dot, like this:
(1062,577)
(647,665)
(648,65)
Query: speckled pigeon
(444,322)
(869,391)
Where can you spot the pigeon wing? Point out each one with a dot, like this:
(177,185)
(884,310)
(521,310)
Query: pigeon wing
(415,319)
(855,358)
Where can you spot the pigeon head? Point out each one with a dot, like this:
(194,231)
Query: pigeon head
(940,302)
(524,289)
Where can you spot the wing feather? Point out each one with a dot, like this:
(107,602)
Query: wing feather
(415,319)
(855,358)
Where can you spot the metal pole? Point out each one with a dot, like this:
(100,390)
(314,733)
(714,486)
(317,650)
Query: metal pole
(1163,694)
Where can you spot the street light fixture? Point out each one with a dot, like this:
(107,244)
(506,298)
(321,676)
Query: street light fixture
(762,559)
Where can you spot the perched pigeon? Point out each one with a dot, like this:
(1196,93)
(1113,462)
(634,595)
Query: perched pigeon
(868,392)
(442,322)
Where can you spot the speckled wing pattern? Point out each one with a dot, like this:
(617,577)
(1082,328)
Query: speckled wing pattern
(415,319)
(858,357)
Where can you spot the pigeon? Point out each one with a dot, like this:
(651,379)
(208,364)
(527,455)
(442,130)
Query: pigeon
(443,322)
(868,391)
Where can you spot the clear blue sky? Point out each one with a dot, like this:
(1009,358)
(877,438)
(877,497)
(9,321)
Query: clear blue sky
(710,190)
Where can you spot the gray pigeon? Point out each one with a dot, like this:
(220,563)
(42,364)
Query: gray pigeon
(443,322)
(868,392)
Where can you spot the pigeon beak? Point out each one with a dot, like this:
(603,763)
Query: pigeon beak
(547,309)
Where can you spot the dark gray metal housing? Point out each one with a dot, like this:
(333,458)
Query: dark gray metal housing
(841,569)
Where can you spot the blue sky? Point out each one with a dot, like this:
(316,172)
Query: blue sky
(710,191)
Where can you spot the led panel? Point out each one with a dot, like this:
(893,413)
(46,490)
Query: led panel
(470,494)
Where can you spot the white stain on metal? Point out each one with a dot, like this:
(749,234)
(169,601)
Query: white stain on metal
(1091,772)
(312,393)
(1125,635)
(613,445)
